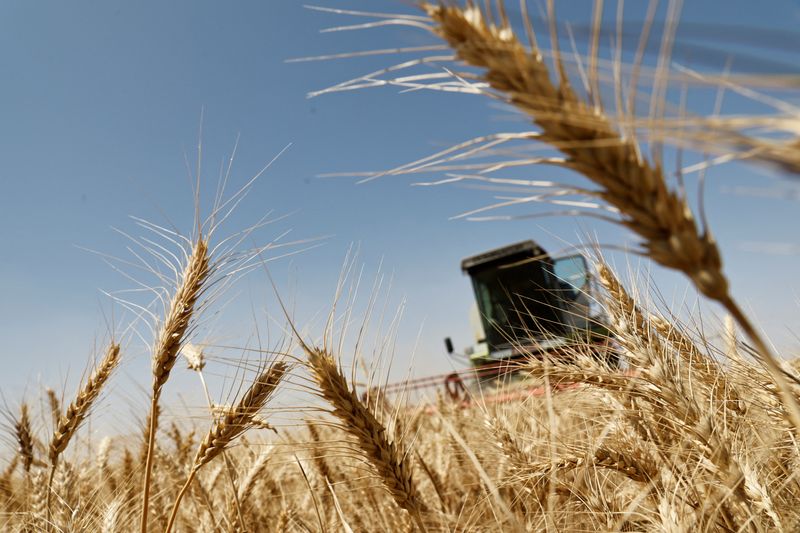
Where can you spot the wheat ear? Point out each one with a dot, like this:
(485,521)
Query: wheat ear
(77,411)
(594,147)
(231,425)
(24,435)
(168,343)
(79,408)
(55,405)
(240,418)
(386,456)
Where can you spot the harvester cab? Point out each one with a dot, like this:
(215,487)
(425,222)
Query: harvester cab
(529,304)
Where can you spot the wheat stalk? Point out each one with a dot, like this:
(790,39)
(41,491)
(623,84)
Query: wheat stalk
(22,430)
(176,323)
(238,419)
(168,343)
(231,425)
(54,404)
(78,410)
(387,457)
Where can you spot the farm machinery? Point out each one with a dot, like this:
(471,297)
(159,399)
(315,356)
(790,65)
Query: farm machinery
(527,304)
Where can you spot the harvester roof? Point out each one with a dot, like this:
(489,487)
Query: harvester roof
(505,254)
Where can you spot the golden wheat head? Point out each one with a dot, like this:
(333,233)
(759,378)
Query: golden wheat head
(239,418)
(388,460)
(79,408)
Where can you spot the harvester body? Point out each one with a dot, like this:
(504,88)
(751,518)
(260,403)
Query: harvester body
(529,304)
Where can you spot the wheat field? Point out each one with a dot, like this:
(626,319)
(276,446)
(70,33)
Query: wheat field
(697,432)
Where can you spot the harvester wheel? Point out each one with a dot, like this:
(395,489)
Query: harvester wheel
(454,386)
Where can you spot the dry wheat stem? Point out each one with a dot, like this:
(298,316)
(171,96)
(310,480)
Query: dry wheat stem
(168,343)
(661,217)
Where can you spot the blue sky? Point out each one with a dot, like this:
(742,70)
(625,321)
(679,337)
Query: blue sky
(101,102)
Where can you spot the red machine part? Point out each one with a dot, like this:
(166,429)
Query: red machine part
(455,382)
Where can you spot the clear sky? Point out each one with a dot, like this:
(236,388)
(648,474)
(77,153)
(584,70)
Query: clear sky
(101,101)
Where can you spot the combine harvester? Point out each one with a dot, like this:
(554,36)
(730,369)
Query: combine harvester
(527,304)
